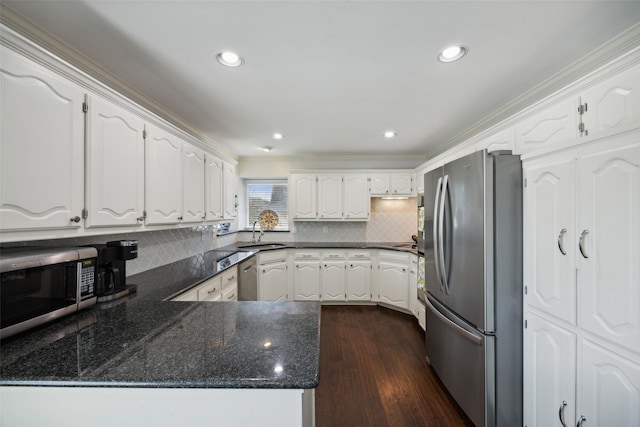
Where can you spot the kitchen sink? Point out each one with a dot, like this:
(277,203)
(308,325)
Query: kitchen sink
(262,246)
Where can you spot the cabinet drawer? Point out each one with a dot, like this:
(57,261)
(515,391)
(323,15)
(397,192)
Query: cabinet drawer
(229,277)
(358,255)
(207,290)
(191,295)
(307,255)
(394,256)
(230,293)
(330,255)
(272,256)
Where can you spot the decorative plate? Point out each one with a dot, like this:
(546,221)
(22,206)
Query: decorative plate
(268,219)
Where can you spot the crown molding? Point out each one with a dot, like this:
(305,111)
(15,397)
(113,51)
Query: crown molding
(41,39)
(613,56)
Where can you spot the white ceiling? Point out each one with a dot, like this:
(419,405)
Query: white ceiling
(331,75)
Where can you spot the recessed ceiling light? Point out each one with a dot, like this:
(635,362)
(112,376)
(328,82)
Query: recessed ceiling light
(267,148)
(390,134)
(452,53)
(229,59)
(278,135)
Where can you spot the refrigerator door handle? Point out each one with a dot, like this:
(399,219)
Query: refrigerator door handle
(436,254)
(445,185)
(477,340)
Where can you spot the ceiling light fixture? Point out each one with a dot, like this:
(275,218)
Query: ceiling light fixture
(229,59)
(278,135)
(390,134)
(267,148)
(452,53)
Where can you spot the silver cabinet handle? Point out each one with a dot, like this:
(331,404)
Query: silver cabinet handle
(581,245)
(561,241)
(582,420)
(561,413)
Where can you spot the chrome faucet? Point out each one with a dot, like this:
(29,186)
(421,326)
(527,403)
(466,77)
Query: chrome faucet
(253,233)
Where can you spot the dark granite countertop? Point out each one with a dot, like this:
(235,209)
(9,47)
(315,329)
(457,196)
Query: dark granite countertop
(143,340)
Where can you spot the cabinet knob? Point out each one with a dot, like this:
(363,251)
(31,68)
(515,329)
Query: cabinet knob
(179,218)
(75,219)
(140,219)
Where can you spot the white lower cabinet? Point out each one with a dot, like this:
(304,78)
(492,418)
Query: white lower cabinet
(393,278)
(333,280)
(306,279)
(358,276)
(272,276)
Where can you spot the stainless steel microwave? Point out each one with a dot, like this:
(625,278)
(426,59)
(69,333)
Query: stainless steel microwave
(39,285)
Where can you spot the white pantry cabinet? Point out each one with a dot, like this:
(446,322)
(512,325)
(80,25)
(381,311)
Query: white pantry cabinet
(41,147)
(163,183)
(582,285)
(193,193)
(115,165)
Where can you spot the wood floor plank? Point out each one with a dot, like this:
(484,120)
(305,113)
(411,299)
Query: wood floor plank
(373,372)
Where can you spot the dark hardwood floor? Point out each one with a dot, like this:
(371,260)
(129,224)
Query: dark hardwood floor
(373,372)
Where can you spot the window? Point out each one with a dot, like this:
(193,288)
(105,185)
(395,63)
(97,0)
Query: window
(268,194)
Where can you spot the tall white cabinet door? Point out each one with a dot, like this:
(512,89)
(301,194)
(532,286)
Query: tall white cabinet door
(163,177)
(609,394)
(549,368)
(608,238)
(115,165)
(307,281)
(193,184)
(329,196)
(41,147)
(229,190)
(303,196)
(357,203)
(333,281)
(549,258)
(213,188)
(358,280)
(613,103)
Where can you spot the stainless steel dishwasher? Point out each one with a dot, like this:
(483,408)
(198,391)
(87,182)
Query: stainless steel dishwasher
(248,280)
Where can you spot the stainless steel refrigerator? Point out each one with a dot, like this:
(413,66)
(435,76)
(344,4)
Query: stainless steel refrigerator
(473,275)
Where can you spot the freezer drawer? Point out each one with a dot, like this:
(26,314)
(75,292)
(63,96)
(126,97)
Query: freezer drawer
(463,359)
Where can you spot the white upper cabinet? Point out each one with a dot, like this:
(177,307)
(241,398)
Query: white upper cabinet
(392,184)
(357,203)
(163,177)
(330,197)
(229,190)
(193,167)
(41,147)
(303,196)
(614,103)
(213,188)
(115,165)
(608,240)
(556,125)
(503,140)
(549,252)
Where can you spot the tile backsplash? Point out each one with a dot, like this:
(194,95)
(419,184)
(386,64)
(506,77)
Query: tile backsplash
(391,221)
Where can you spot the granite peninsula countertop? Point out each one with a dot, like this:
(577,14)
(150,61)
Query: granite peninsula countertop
(144,340)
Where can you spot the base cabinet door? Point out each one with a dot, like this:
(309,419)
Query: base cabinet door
(359,280)
(394,284)
(272,282)
(609,388)
(307,281)
(333,280)
(550,372)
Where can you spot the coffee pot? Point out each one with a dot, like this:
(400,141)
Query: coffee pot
(111,282)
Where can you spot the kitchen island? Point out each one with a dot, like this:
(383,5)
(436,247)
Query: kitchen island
(141,362)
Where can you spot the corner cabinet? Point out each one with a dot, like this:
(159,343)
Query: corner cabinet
(115,165)
(41,147)
(582,285)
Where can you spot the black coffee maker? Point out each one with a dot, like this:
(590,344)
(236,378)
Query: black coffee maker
(111,280)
